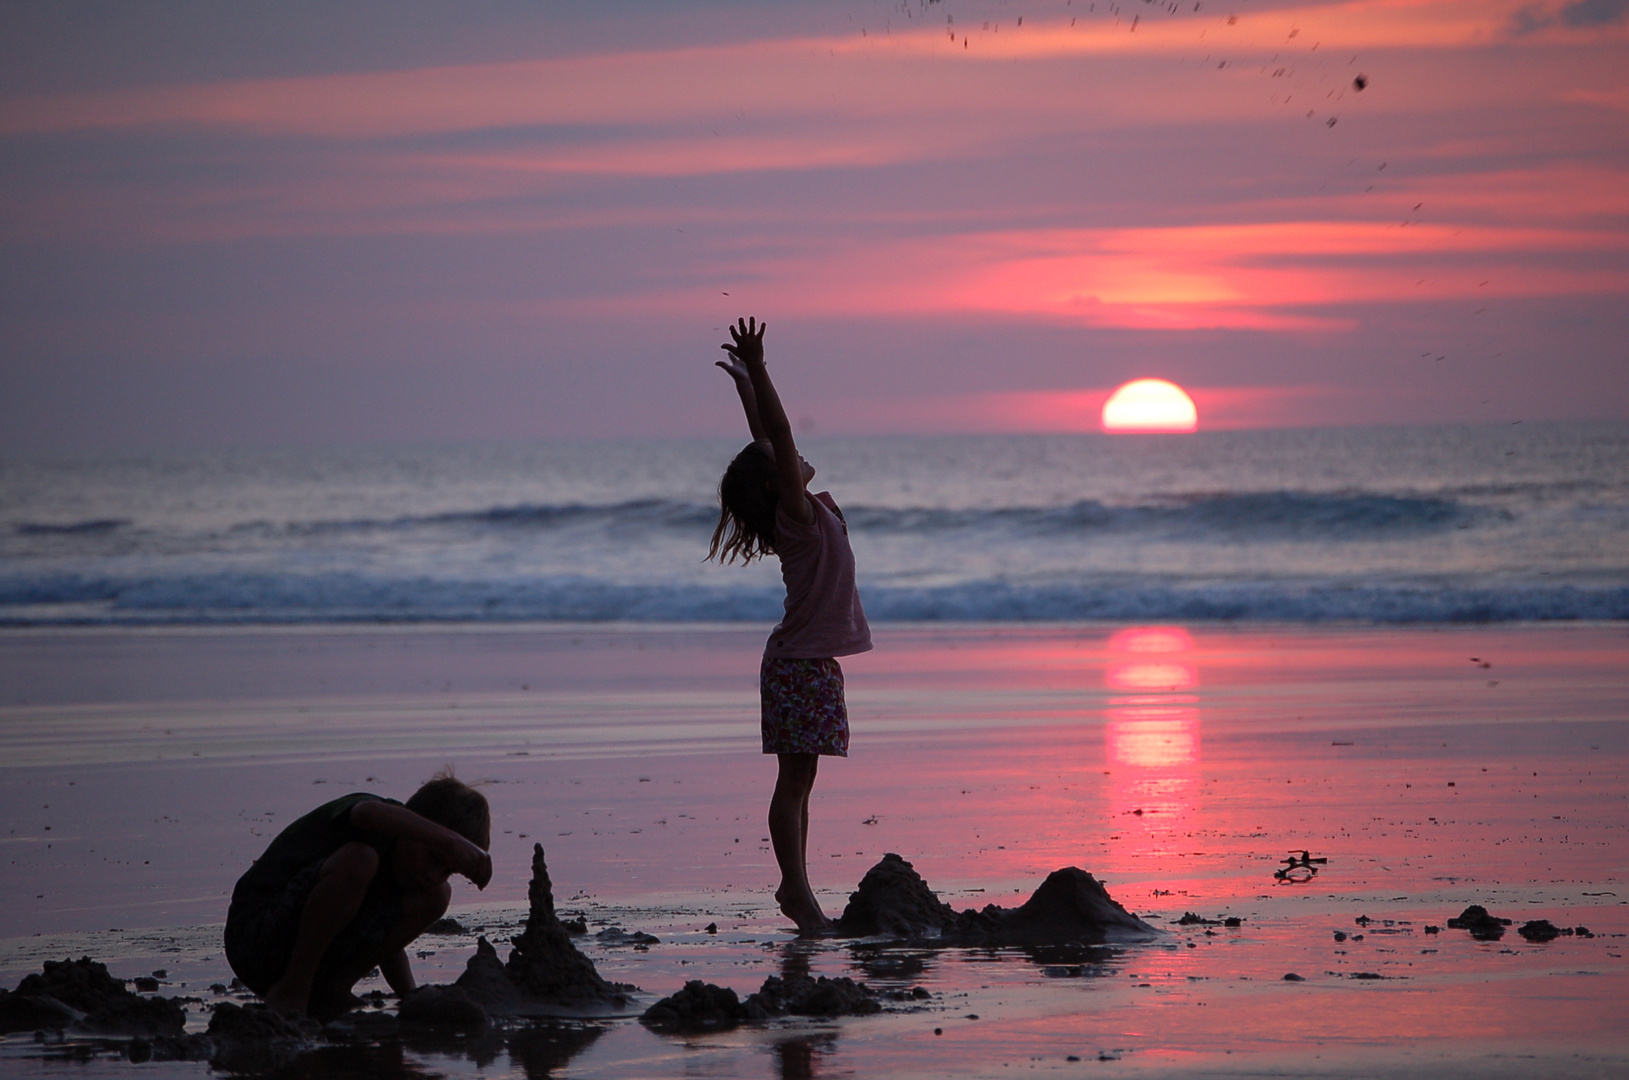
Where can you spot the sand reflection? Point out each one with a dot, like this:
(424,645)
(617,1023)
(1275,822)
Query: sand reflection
(1152,734)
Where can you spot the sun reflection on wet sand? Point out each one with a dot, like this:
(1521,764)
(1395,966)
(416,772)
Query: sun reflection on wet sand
(988,757)
(1151,740)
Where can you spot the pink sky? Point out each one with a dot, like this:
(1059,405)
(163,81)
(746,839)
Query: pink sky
(373,223)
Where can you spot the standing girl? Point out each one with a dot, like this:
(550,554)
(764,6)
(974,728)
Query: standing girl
(767,508)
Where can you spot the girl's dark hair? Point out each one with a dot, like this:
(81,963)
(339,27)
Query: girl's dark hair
(747,497)
(449,802)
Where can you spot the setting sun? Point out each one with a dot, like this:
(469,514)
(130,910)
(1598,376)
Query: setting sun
(1150,405)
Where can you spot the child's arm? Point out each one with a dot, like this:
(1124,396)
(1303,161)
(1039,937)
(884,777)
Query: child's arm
(749,403)
(398,973)
(458,853)
(748,351)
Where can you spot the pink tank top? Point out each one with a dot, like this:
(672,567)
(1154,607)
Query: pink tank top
(823,614)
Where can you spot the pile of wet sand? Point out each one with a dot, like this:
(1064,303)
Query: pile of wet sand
(704,1007)
(81,994)
(1070,906)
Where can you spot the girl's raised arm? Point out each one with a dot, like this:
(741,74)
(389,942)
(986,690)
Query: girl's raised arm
(748,351)
(749,402)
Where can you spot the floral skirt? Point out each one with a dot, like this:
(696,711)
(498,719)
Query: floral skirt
(803,707)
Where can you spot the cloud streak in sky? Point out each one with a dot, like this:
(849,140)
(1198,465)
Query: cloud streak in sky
(1224,177)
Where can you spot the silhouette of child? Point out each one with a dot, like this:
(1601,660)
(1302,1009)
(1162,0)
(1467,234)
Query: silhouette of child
(347,887)
(766,508)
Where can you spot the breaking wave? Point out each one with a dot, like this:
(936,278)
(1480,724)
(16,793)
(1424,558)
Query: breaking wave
(221,598)
(1273,513)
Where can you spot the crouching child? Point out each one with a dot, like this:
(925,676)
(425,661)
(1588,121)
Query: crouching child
(347,887)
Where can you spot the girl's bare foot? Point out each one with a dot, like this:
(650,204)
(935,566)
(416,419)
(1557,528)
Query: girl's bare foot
(803,910)
(287,1000)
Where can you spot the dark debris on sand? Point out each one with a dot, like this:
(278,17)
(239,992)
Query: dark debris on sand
(1485,927)
(1540,930)
(1069,906)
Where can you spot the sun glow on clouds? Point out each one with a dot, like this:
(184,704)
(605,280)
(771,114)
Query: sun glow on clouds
(1224,408)
(786,75)
(1182,180)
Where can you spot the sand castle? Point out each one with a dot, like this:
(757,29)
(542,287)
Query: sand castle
(545,970)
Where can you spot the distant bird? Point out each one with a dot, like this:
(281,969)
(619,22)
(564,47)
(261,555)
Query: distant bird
(1360,82)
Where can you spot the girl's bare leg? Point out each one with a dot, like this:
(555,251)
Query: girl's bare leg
(333,900)
(420,908)
(789,832)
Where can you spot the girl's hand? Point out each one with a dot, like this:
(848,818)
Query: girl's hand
(749,342)
(735,368)
(467,858)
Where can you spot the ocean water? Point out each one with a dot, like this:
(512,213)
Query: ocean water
(1392,525)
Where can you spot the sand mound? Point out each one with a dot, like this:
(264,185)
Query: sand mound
(698,1007)
(33,1012)
(254,1039)
(81,993)
(441,1006)
(893,901)
(1483,927)
(255,1023)
(1070,906)
(801,995)
(704,1007)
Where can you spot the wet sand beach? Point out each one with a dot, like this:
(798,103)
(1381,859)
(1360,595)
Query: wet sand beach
(1433,768)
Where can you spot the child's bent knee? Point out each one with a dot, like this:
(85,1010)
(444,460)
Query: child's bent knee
(355,862)
(427,905)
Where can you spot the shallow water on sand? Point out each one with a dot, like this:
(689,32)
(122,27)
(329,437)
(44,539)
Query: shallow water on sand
(1180,766)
